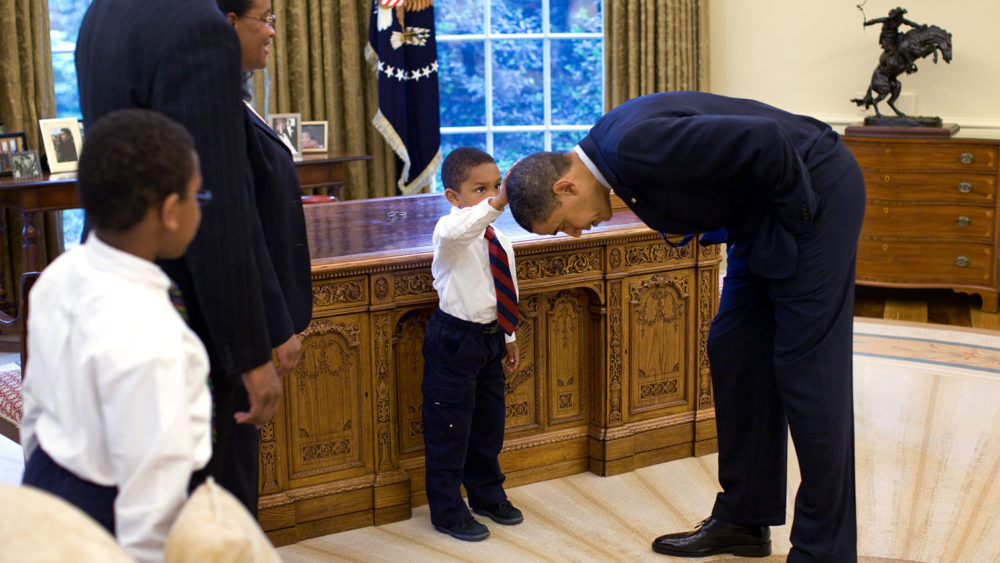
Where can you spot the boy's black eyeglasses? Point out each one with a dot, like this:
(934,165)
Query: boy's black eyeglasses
(204,197)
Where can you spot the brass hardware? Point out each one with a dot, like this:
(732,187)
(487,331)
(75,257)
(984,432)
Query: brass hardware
(966,158)
(965,187)
(961,261)
(963,221)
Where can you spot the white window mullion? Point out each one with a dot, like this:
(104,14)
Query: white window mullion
(488,73)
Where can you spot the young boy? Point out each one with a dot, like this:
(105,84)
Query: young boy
(116,402)
(468,343)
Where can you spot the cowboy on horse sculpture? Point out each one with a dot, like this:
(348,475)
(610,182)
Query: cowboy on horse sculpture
(899,51)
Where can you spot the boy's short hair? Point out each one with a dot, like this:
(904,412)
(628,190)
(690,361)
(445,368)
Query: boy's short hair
(457,164)
(131,160)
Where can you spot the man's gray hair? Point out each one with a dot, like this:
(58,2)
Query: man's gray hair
(529,186)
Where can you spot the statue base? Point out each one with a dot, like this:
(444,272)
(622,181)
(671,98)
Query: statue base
(903,121)
(891,127)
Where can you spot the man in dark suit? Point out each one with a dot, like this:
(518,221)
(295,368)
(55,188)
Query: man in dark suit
(788,198)
(182,58)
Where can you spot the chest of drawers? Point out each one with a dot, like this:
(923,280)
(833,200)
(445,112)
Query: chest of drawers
(931,214)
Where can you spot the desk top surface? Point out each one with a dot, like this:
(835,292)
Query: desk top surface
(376,229)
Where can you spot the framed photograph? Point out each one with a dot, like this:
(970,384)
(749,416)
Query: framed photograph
(63,140)
(25,165)
(313,136)
(10,143)
(287,126)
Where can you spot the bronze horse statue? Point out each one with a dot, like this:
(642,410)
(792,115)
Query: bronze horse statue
(916,43)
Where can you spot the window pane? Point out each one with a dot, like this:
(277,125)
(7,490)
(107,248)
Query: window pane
(458,16)
(563,141)
(64,78)
(516,16)
(577,95)
(451,141)
(462,83)
(64,22)
(575,16)
(72,224)
(508,148)
(517,83)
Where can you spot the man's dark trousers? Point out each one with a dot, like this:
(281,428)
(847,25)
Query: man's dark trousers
(463,416)
(781,357)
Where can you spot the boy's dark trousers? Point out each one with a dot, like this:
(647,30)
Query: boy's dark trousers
(463,416)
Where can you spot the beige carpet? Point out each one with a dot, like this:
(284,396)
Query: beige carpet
(928,453)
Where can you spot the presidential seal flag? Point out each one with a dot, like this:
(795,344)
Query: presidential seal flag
(402,51)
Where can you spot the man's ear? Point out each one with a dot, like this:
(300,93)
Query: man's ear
(170,211)
(451,195)
(564,186)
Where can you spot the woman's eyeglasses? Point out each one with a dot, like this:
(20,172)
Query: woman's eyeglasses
(268,19)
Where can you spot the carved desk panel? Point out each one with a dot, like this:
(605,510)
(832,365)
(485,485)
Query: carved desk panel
(613,373)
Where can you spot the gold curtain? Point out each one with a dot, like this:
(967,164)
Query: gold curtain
(654,46)
(317,68)
(26,95)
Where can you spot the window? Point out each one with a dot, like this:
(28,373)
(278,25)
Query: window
(64,23)
(518,76)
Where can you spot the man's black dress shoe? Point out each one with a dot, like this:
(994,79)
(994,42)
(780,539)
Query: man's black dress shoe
(467,530)
(504,513)
(713,536)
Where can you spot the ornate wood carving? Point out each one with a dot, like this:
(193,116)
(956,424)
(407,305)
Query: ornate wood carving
(656,252)
(660,317)
(408,359)
(268,459)
(521,389)
(325,398)
(569,371)
(340,292)
(533,267)
(413,283)
(381,288)
(708,288)
(615,353)
(383,393)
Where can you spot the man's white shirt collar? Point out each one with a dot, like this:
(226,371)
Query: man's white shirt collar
(592,167)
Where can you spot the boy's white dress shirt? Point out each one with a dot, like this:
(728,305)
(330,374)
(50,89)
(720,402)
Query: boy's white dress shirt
(461,265)
(115,387)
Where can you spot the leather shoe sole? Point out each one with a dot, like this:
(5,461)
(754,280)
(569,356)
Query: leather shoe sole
(744,550)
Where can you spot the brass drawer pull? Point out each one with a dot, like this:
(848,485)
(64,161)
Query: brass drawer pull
(961,261)
(966,158)
(965,187)
(963,221)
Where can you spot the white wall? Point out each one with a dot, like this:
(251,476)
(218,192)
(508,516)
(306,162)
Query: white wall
(813,56)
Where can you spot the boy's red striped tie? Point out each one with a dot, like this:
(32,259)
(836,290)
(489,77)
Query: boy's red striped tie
(506,295)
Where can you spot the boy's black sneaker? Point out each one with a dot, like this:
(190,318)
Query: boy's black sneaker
(503,513)
(469,530)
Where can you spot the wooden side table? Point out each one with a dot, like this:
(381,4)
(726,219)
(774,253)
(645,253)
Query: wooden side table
(931,212)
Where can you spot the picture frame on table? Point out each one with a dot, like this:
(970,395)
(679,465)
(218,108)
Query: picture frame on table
(62,139)
(287,126)
(25,165)
(313,137)
(10,144)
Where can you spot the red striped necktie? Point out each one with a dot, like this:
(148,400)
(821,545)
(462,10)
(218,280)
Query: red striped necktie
(502,282)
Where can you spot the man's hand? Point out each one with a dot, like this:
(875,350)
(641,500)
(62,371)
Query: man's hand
(264,389)
(512,358)
(289,354)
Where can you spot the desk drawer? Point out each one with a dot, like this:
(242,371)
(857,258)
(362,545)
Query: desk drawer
(916,186)
(955,222)
(924,155)
(925,263)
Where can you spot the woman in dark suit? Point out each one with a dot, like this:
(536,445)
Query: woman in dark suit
(284,272)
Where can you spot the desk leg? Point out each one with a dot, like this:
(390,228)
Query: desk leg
(32,259)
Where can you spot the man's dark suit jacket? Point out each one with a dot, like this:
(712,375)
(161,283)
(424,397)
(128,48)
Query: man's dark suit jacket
(690,162)
(182,58)
(286,275)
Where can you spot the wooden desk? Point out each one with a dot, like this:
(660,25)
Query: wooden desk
(613,376)
(54,192)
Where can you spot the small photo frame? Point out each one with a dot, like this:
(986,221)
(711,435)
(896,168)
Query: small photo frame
(10,144)
(313,136)
(287,126)
(25,165)
(63,139)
